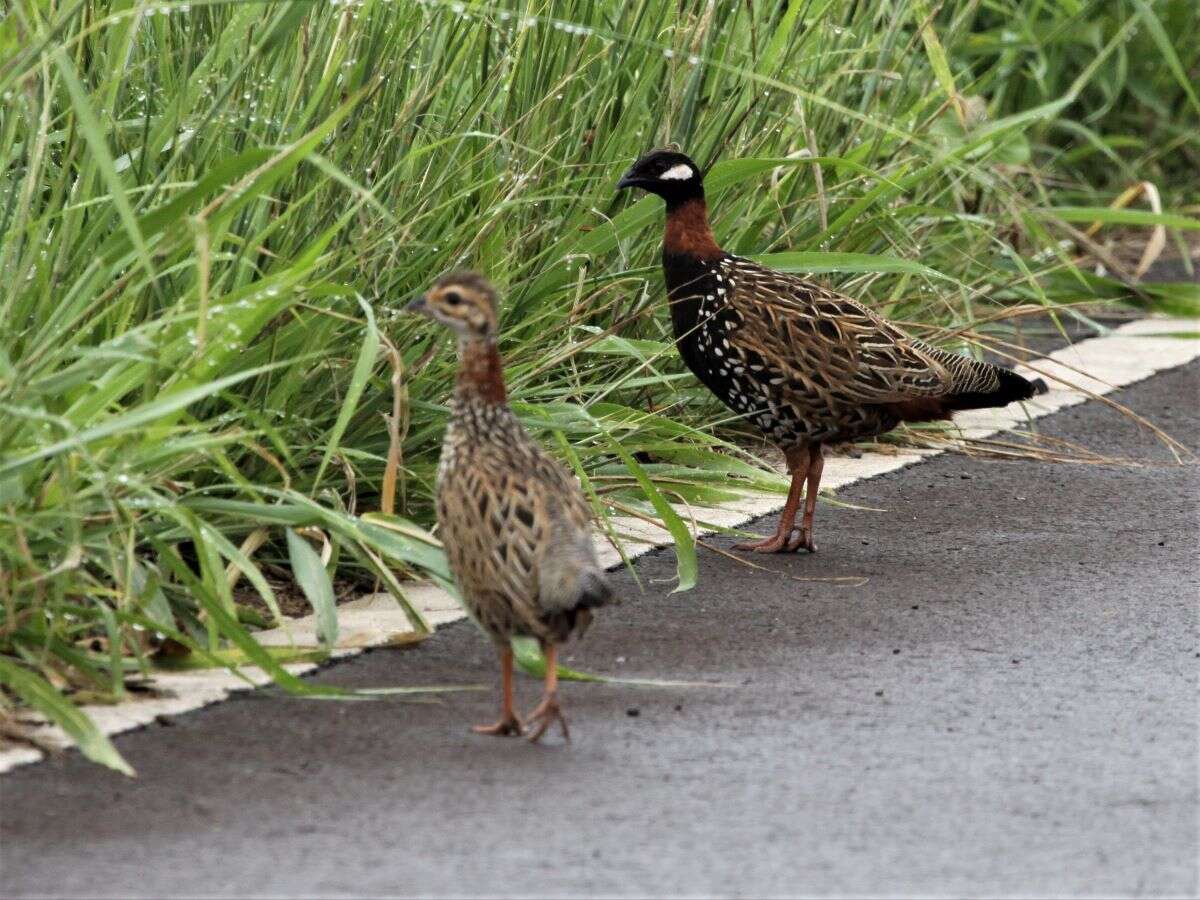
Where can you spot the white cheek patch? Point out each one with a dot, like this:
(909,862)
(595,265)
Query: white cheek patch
(681,172)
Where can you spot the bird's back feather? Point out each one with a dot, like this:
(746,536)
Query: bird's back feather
(516,529)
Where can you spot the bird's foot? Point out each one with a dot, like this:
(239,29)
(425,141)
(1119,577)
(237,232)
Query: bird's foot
(776,543)
(508,725)
(796,539)
(546,714)
(801,539)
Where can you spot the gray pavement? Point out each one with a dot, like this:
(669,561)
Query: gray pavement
(1006,707)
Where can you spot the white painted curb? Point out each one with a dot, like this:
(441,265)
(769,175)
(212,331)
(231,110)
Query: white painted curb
(1131,353)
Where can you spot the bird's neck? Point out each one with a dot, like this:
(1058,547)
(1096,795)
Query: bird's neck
(688,232)
(480,374)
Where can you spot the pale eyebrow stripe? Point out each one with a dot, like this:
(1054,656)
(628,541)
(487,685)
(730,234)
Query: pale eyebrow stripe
(681,172)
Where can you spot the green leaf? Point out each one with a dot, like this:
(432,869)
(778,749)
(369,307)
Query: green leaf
(780,39)
(358,381)
(310,574)
(938,60)
(270,173)
(137,417)
(419,689)
(1112,216)
(256,652)
(1166,47)
(731,172)
(97,142)
(801,262)
(45,698)
(1175,299)
(286,22)
(686,566)
(224,172)
(246,565)
(528,656)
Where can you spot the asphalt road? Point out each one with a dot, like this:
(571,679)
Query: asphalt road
(1006,707)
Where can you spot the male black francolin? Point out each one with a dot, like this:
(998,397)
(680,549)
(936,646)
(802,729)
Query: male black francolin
(515,525)
(806,365)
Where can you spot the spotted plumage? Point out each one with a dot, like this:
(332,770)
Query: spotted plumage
(805,364)
(515,525)
(516,528)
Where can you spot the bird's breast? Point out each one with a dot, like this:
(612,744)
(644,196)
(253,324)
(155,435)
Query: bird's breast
(706,322)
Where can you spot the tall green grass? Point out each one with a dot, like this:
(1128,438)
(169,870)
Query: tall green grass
(211,212)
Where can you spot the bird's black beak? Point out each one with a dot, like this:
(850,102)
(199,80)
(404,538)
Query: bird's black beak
(629,180)
(417,306)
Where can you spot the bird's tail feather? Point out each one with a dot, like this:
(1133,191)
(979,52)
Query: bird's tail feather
(1010,388)
(575,614)
(594,591)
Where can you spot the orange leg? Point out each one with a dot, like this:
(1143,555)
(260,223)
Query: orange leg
(509,723)
(816,464)
(548,711)
(780,542)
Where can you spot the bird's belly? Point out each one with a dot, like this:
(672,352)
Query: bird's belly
(487,583)
(747,392)
(788,418)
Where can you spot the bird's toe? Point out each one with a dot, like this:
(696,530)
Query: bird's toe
(773,544)
(800,540)
(547,713)
(508,726)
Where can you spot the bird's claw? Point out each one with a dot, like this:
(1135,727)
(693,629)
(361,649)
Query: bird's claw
(796,539)
(773,544)
(546,714)
(800,539)
(509,725)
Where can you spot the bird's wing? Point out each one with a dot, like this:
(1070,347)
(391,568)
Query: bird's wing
(569,574)
(540,532)
(816,341)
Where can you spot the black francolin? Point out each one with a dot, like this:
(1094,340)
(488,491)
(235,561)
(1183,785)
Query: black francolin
(515,525)
(808,366)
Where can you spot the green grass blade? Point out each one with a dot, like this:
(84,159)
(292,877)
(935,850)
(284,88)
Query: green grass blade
(812,262)
(94,132)
(46,699)
(529,659)
(1162,42)
(938,59)
(1111,216)
(367,355)
(136,418)
(686,566)
(310,574)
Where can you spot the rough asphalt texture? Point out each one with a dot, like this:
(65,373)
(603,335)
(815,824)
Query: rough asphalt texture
(1007,707)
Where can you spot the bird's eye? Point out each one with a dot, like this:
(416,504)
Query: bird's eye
(452,297)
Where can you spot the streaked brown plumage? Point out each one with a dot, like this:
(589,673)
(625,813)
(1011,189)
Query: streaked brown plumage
(806,365)
(515,525)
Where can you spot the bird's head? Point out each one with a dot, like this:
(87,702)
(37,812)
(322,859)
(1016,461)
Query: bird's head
(463,301)
(670,174)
